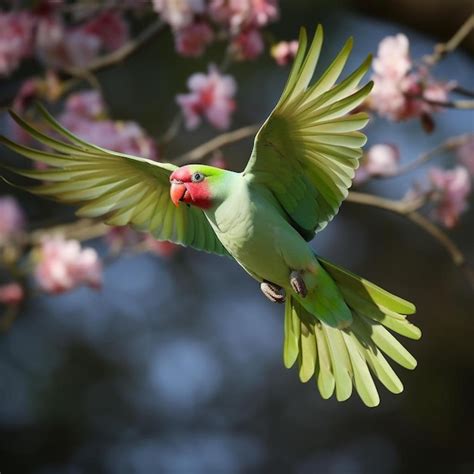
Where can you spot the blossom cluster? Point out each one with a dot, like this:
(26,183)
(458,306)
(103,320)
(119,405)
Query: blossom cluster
(197,23)
(63,265)
(451,189)
(16,40)
(45,35)
(448,190)
(12,219)
(211,96)
(379,160)
(85,115)
(403,89)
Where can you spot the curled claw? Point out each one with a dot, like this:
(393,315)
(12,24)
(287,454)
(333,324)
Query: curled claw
(275,293)
(298,284)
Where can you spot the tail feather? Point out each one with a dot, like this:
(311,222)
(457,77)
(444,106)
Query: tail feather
(343,359)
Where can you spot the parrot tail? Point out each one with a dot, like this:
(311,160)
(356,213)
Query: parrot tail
(340,359)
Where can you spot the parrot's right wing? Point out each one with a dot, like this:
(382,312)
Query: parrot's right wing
(122,189)
(308,149)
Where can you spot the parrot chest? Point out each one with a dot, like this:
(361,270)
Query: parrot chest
(254,233)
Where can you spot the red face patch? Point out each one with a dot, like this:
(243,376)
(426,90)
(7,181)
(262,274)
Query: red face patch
(183,189)
(198,194)
(183,174)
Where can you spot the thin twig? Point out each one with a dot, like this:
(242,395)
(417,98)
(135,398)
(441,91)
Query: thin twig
(218,142)
(408,209)
(449,104)
(442,49)
(87,73)
(438,234)
(463,91)
(457,256)
(120,54)
(172,130)
(82,229)
(448,145)
(403,206)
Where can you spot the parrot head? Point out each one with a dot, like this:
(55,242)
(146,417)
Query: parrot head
(194,184)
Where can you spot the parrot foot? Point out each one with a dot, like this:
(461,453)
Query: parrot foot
(298,284)
(275,293)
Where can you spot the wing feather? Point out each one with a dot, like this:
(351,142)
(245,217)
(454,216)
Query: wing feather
(307,151)
(121,189)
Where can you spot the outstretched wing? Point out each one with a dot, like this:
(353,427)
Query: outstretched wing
(119,188)
(307,151)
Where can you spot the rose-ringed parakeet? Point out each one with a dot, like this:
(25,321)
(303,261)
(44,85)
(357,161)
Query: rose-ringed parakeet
(302,164)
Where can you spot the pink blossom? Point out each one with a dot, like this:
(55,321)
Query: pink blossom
(391,79)
(86,104)
(211,96)
(11,294)
(162,248)
(393,57)
(28,90)
(12,217)
(119,237)
(466,154)
(193,39)
(262,12)
(239,13)
(124,137)
(436,92)
(59,47)
(248,44)
(452,187)
(63,265)
(218,160)
(388,98)
(399,87)
(380,160)
(179,13)
(16,35)
(110,27)
(83,116)
(284,52)
(403,99)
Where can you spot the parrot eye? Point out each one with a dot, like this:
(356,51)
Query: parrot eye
(197,177)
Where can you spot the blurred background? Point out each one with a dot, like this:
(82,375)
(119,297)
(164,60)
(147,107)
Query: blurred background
(175,365)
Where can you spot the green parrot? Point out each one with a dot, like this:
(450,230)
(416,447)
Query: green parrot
(302,164)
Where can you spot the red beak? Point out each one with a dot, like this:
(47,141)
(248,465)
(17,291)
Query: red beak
(177,192)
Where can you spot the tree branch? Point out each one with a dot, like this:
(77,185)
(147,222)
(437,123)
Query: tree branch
(120,54)
(403,206)
(409,210)
(463,91)
(442,49)
(218,142)
(449,104)
(82,229)
(448,145)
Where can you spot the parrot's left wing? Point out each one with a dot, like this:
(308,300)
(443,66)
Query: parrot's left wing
(307,151)
(122,189)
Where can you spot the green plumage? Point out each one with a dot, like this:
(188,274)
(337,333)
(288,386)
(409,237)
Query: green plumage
(122,189)
(300,170)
